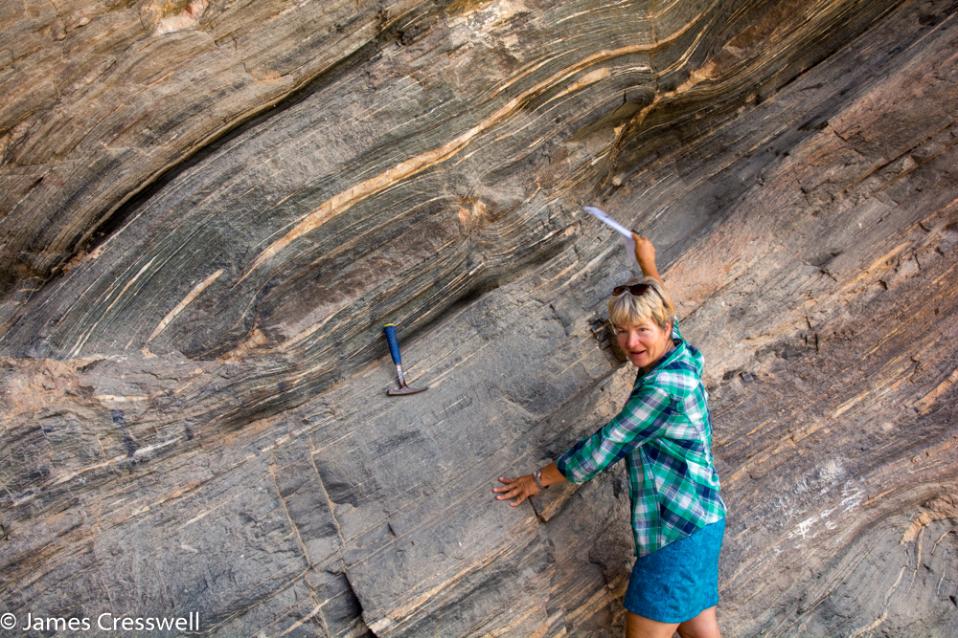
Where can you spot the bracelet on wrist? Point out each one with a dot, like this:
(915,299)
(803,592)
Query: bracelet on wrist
(537,477)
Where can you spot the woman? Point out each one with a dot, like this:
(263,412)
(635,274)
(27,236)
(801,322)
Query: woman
(665,435)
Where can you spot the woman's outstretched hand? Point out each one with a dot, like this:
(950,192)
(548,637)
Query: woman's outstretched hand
(645,255)
(519,488)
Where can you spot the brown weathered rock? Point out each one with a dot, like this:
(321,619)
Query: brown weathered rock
(210,209)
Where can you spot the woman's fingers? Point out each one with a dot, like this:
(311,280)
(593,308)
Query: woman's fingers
(508,484)
(504,490)
(516,489)
(516,497)
(508,492)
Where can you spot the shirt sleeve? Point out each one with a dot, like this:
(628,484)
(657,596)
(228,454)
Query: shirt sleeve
(644,417)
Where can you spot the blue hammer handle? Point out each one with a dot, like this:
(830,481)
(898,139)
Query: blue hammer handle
(390,330)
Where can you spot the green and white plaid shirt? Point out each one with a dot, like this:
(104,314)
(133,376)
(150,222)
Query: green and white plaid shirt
(664,432)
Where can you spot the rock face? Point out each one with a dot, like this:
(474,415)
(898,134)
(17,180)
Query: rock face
(209,209)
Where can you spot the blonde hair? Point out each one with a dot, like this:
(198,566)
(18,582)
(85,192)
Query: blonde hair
(627,310)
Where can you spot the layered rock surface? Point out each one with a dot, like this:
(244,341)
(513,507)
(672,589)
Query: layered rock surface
(210,209)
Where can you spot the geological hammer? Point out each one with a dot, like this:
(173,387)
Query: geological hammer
(390,330)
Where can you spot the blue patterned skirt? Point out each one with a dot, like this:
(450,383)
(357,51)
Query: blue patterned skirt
(677,582)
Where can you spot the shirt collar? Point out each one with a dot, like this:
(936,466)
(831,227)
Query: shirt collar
(676,352)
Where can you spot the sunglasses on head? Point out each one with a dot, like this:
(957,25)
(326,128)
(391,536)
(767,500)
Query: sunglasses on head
(636,290)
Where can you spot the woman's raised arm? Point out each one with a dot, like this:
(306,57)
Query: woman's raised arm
(645,255)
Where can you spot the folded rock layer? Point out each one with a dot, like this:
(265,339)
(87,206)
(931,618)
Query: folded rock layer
(209,210)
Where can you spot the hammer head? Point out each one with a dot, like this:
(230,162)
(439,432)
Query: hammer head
(404,389)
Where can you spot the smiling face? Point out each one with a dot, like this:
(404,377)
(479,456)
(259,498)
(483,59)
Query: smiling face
(641,315)
(644,342)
